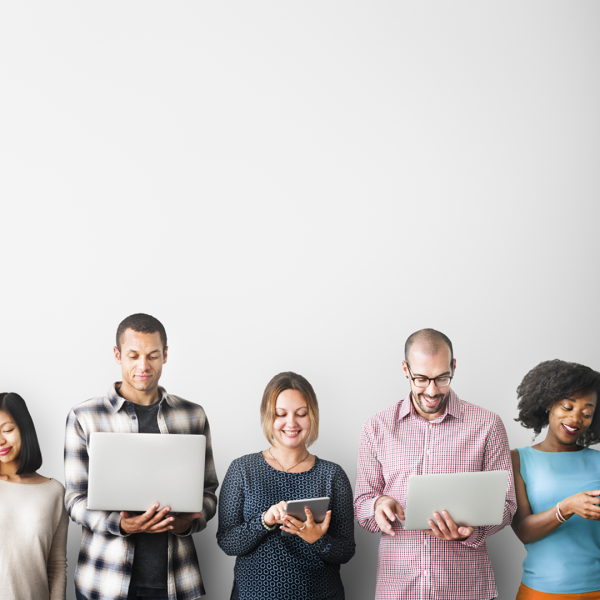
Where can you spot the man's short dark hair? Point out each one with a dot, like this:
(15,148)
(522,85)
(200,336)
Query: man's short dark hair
(430,340)
(141,323)
(551,381)
(30,458)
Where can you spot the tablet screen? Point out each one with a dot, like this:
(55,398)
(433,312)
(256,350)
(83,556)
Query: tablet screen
(318,507)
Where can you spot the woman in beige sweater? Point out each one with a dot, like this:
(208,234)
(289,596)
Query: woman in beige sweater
(33,520)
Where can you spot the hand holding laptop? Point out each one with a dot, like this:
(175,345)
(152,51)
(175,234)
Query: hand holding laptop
(387,510)
(156,521)
(444,528)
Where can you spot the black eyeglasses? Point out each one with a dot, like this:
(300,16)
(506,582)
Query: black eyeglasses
(423,382)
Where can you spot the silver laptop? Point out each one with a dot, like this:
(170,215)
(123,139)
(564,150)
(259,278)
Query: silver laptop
(471,499)
(132,471)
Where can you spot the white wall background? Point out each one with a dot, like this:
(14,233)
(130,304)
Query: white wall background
(297,185)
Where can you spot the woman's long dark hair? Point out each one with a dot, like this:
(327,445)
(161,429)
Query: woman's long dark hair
(30,458)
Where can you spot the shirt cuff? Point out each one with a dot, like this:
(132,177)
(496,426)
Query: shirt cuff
(370,507)
(474,539)
(113,524)
(196,525)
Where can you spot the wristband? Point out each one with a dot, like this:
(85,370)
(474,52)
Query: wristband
(268,527)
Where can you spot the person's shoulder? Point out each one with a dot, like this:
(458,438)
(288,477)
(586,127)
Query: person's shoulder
(386,416)
(52,495)
(92,405)
(327,464)
(51,488)
(477,413)
(56,487)
(248,462)
(331,467)
(593,453)
(515,454)
(177,402)
(57,484)
(248,459)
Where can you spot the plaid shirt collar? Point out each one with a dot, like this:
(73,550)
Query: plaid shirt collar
(453,408)
(117,400)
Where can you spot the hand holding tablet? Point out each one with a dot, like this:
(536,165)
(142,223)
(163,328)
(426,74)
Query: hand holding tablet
(308,519)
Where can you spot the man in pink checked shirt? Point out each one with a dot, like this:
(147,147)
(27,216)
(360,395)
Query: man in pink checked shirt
(430,431)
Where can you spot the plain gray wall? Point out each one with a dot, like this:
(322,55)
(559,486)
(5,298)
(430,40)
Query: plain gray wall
(297,185)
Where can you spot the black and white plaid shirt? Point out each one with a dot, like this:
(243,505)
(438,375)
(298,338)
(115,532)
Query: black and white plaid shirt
(106,555)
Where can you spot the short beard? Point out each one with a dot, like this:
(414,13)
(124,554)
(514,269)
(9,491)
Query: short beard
(429,409)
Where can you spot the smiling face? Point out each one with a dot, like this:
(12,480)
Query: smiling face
(429,402)
(141,358)
(570,418)
(10,440)
(291,426)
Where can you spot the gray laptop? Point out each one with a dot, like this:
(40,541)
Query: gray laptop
(132,471)
(471,499)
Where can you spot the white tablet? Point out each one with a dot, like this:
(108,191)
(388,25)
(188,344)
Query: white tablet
(471,499)
(132,471)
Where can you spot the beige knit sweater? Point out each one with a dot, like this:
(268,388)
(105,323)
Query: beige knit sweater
(33,541)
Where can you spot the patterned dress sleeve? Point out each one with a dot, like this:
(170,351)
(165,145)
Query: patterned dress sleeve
(237,536)
(337,545)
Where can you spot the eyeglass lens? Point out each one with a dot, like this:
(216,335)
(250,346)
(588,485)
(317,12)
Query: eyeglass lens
(423,382)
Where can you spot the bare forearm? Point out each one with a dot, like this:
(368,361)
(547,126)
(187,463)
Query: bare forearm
(534,527)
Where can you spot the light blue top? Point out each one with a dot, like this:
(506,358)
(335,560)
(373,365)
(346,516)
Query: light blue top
(566,561)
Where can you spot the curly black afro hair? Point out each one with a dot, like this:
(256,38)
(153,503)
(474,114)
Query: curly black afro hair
(549,382)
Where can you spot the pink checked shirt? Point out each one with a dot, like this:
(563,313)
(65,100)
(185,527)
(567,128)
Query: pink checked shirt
(398,442)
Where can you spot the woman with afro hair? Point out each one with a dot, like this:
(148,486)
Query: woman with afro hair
(558,483)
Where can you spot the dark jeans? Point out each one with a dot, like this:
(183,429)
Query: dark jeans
(136,592)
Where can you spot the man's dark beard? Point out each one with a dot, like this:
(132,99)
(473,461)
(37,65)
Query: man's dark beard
(428,409)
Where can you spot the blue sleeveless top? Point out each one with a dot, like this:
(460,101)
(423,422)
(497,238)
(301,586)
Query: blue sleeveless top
(566,561)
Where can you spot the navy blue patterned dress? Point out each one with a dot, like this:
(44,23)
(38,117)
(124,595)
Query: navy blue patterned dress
(270,566)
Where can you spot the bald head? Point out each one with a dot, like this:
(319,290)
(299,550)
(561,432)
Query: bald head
(428,342)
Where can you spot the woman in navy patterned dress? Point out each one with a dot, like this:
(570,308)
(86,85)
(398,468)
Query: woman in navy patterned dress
(253,499)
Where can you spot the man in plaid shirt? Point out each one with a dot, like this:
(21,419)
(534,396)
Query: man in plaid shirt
(429,431)
(125,555)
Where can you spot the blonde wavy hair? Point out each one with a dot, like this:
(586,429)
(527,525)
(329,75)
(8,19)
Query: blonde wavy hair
(280,383)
